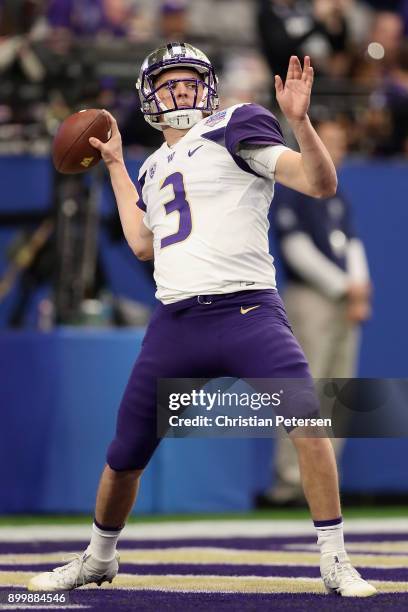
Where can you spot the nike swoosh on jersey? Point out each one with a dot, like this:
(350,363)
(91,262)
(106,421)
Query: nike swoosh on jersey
(191,153)
(245,310)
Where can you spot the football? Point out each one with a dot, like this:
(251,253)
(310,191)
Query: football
(71,151)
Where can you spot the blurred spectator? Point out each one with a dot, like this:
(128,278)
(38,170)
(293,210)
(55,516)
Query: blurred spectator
(395,90)
(294,27)
(20,27)
(385,5)
(174,20)
(19,17)
(380,68)
(57,56)
(80,30)
(211,23)
(403,8)
(388,32)
(224,22)
(245,78)
(22,75)
(86,18)
(327,296)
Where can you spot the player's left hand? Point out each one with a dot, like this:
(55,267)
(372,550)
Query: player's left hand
(294,97)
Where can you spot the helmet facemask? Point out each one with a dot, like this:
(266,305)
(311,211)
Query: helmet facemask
(155,111)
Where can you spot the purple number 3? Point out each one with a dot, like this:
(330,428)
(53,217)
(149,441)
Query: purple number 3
(179,203)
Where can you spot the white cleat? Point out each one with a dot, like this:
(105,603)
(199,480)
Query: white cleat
(340,577)
(83,569)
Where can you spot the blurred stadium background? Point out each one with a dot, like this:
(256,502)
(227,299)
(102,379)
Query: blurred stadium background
(74,301)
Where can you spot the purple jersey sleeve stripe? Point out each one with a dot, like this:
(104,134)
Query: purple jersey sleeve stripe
(218,136)
(252,124)
(249,124)
(139,186)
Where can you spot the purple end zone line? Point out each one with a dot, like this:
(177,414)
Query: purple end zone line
(152,601)
(238,543)
(371,573)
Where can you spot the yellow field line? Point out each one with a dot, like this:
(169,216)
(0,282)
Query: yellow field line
(217,584)
(206,555)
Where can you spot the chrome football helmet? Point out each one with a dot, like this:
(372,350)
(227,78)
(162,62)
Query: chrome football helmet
(176,55)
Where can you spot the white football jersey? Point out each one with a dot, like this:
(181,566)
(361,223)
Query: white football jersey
(208,210)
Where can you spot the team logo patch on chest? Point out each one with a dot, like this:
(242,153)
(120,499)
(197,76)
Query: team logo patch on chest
(152,170)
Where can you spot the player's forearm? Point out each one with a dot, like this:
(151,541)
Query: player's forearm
(131,217)
(317,164)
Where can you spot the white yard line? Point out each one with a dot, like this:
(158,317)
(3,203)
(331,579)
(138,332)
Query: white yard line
(200,529)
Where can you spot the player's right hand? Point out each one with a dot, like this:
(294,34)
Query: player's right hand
(111,151)
(359,292)
(294,96)
(358,312)
(358,302)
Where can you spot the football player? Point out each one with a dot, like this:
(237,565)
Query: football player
(202,203)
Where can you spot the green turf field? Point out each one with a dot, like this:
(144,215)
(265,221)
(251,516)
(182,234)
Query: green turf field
(288,514)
